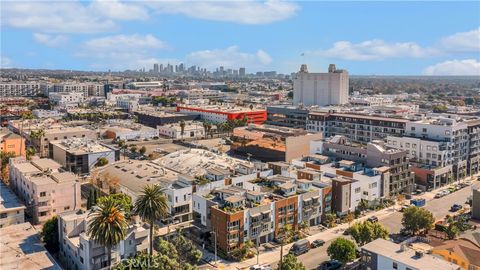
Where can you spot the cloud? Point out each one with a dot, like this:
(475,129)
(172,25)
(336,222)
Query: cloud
(230,57)
(120,52)
(50,40)
(243,12)
(374,50)
(463,41)
(5,62)
(467,67)
(68,16)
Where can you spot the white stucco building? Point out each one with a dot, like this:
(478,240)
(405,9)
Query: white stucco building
(320,88)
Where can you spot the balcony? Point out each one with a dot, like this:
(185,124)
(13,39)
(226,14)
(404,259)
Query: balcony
(44,198)
(233,228)
(44,208)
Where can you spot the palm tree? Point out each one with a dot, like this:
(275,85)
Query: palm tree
(30,152)
(107,225)
(151,206)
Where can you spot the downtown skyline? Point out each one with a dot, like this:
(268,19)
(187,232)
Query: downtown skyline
(366,38)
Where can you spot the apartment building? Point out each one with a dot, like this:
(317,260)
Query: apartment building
(52,131)
(287,116)
(45,188)
(12,143)
(381,254)
(258,210)
(21,89)
(356,127)
(192,129)
(80,155)
(66,99)
(223,113)
(373,155)
(39,113)
(320,88)
(12,210)
(79,251)
(86,89)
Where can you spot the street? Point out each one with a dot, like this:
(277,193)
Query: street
(390,217)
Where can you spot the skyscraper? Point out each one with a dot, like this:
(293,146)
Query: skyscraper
(155,68)
(320,88)
(241,72)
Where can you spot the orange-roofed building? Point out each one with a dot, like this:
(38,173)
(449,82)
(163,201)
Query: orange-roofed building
(11,142)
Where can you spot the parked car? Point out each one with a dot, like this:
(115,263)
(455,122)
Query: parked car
(260,267)
(373,219)
(439,195)
(317,243)
(300,247)
(455,207)
(330,265)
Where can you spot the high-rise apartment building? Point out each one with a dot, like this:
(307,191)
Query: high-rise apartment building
(320,88)
(241,72)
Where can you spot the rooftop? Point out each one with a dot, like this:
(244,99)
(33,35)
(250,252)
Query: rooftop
(408,257)
(227,108)
(21,248)
(80,146)
(8,200)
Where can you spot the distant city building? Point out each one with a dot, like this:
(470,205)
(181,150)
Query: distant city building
(44,186)
(241,72)
(321,88)
(19,89)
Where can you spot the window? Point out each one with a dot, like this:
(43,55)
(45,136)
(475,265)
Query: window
(407,145)
(3,215)
(66,208)
(412,128)
(424,130)
(395,266)
(357,190)
(43,194)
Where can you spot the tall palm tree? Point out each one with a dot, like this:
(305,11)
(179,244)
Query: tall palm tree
(107,225)
(182,128)
(151,206)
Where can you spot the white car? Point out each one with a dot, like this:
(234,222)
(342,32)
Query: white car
(260,267)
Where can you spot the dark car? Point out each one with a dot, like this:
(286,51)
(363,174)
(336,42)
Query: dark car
(347,231)
(317,243)
(455,207)
(373,219)
(330,265)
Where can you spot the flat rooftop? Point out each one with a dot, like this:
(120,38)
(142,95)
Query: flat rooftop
(21,248)
(409,257)
(8,200)
(196,162)
(135,174)
(80,146)
(221,108)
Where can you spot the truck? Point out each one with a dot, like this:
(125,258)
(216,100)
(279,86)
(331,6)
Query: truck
(418,202)
(300,247)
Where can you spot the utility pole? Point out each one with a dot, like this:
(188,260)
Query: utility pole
(281,255)
(215,237)
(258,253)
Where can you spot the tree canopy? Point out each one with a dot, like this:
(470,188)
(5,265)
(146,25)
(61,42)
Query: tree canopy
(417,219)
(365,232)
(342,250)
(50,235)
(290,262)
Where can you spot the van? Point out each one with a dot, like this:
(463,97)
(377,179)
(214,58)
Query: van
(300,247)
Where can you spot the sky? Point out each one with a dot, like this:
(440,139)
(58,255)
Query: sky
(366,38)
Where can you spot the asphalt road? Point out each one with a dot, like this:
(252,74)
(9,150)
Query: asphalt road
(439,208)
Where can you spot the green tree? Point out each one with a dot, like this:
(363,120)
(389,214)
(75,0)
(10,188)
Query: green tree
(121,143)
(30,152)
(166,248)
(121,199)
(107,225)
(151,206)
(5,159)
(188,252)
(133,148)
(452,230)
(101,162)
(417,219)
(290,262)
(342,250)
(365,232)
(142,150)
(50,235)
(330,220)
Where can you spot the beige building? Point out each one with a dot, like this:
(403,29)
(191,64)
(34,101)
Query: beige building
(12,211)
(45,187)
(320,88)
(21,248)
(78,251)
